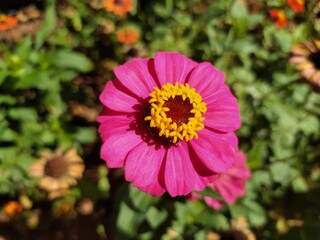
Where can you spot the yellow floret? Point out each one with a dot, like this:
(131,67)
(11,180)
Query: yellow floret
(167,128)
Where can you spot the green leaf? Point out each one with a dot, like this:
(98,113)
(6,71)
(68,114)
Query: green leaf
(200,235)
(209,192)
(23,49)
(261,178)
(8,154)
(141,200)
(103,182)
(67,75)
(299,184)
(70,60)
(280,171)
(257,154)
(7,99)
(284,39)
(128,220)
(49,24)
(215,220)
(254,212)
(47,137)
(8,135)
(239,14)
(85,135)
(36,79)
(23,113)
(3,64)
(309,124)
(4,73)
(155,217)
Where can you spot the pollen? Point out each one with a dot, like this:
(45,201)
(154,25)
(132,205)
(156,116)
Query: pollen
(176,112)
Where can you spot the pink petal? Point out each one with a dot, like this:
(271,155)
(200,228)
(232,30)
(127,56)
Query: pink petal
(215,150)
(142,167)
(222,111)
(204,176)
(117,97)
(106,113)
(118,139)
(172,67)
(229,189)
(239,169)
(214,203)
(101,118)
(308,72)
(179,173)
(206,79)
(194,196)
(135,76)
(297,59)
(112,124)
(200,182)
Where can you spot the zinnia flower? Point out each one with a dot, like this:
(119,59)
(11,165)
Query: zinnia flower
(230,184)
(279,16)
(118,7)
(7,22)
(58,171)
(169,122)
(306,56)
(12,208)
(296,5)
(239,230)
(127,35)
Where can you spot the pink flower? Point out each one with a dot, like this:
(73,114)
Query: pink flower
(230,184)
(169,122)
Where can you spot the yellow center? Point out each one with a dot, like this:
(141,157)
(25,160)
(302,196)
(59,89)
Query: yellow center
(176,112)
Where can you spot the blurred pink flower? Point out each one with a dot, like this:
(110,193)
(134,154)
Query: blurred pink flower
(230,184)
(169,122)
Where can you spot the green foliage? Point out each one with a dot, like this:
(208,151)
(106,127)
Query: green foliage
(45,77)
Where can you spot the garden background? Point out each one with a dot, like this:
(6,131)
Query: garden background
(55,59)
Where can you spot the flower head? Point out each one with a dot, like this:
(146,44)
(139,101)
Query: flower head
(296,5)
(230,184)
(306,56)
(169,122)
(279,16)
(12,208)
(240,230)
(118,7)
(7,22)
(127,35)
(58,171)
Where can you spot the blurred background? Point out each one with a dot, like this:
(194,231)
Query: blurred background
(57,55)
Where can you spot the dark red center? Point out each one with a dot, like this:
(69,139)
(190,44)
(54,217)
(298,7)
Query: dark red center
(315,59)
(179,109)
(56,167)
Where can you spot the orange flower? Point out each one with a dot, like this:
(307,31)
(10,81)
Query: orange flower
(296,5)
(127,36)
(279,16)
(118,7)
(7,22)
(12,208)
